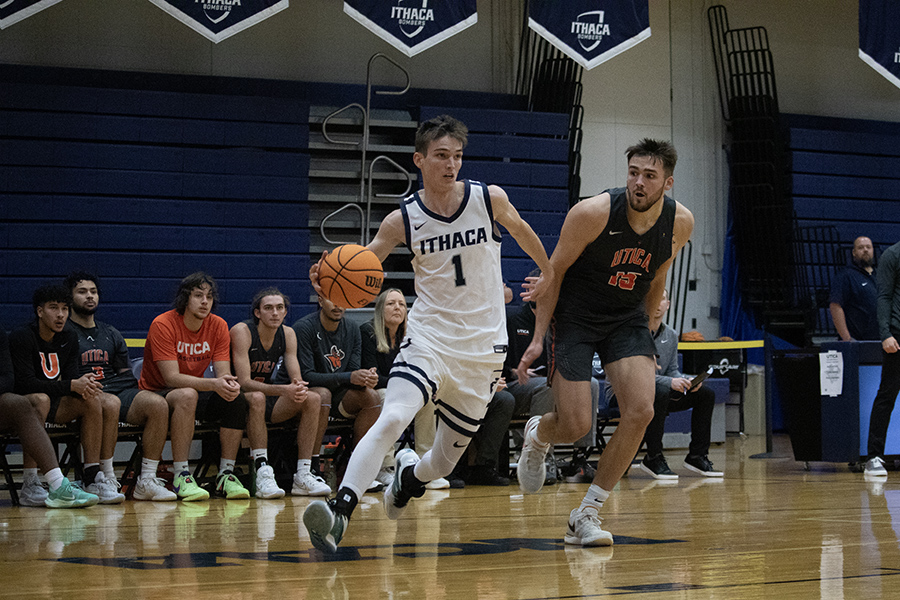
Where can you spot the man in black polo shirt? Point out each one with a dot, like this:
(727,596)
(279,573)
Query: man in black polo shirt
(853,295)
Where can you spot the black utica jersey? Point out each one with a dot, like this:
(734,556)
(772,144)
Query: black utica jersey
(102,350)
(611,278)
(264,362)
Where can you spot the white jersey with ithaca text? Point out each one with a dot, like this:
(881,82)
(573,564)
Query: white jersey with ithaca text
(459,285)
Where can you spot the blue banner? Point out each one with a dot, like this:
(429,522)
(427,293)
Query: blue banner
(591,31)
(13,11)
(412,26)
(879,37)
(220,19)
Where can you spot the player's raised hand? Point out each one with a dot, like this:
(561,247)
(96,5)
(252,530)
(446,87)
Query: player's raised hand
(314,273)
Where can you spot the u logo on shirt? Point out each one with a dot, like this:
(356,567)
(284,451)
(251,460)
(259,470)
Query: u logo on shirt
(50,367)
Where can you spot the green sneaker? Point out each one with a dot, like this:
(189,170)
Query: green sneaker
(230,486)
(325,527)
(187,489)
(69,495)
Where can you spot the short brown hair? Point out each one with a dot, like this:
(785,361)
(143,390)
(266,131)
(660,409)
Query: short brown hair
(438,127)
(658,150)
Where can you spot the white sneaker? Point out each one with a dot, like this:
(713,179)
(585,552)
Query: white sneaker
(106,489)
(307,484)
(875,467)
(383,480)
(584,529)
(153,488)
(266,487)
(532,470)
(395,497)
(33,493)
(440,483)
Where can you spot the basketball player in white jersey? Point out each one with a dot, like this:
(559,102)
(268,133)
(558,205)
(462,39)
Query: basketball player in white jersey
(456,343)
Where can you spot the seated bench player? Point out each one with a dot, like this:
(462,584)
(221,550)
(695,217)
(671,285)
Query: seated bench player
(103,352)
(45,364)
(181,344)
(258,346)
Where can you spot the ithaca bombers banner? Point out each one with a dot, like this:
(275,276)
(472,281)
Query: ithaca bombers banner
(13,11)
(220,19)
(879,37)
(591,31)
(412,26)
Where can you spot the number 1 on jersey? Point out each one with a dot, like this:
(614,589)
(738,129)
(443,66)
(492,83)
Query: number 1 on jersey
(457,262)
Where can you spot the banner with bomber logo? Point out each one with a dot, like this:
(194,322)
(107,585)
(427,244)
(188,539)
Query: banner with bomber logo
(220,19)
(591,31)
(412,26)
(13,11)
(879,37)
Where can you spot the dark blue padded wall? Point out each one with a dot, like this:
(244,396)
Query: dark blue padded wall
(144,187)
(525,153)
(846,175)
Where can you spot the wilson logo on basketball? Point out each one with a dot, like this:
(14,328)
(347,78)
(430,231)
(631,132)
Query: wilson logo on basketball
(373,282)
(50,365)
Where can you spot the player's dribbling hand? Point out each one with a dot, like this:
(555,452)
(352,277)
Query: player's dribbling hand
(314,273)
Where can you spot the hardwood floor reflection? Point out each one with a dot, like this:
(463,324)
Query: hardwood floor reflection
(770,529)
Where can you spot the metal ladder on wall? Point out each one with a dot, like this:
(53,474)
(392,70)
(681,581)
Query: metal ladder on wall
(342,172)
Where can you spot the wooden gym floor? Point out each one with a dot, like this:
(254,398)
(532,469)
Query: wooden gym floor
(769,530)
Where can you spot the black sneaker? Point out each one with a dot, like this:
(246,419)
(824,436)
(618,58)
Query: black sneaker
(702,466)
(581,473)
(657,467)
(484,475)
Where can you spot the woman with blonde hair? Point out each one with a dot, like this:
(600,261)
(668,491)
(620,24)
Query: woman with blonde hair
(381,338)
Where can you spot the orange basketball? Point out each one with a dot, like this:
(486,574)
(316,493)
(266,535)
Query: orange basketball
(351,276)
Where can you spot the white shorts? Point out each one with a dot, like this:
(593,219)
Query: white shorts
(460,388)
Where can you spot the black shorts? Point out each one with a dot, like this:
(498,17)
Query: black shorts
(271,401)
(212,408)
(573,345)
(125,389)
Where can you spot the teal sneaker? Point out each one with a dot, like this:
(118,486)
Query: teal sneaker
(187,489)
(228,485)
(69,495)
(325,527)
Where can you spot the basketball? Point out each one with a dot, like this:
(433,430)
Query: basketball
(351,276)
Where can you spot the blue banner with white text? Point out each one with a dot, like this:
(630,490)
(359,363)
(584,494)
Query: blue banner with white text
(13,11)
(879,37)
(591,31)
(412,26)
(220,19)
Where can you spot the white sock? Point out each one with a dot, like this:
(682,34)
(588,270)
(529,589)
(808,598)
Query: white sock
(226,464)
(303,466)
(180,466)
(148,468)
(54,478)
(594,498)
(537,441)
(30,471)
(259,453)
(106,465)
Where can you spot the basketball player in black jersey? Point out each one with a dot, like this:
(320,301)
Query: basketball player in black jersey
(103,353)
(610,264)
(258,346)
